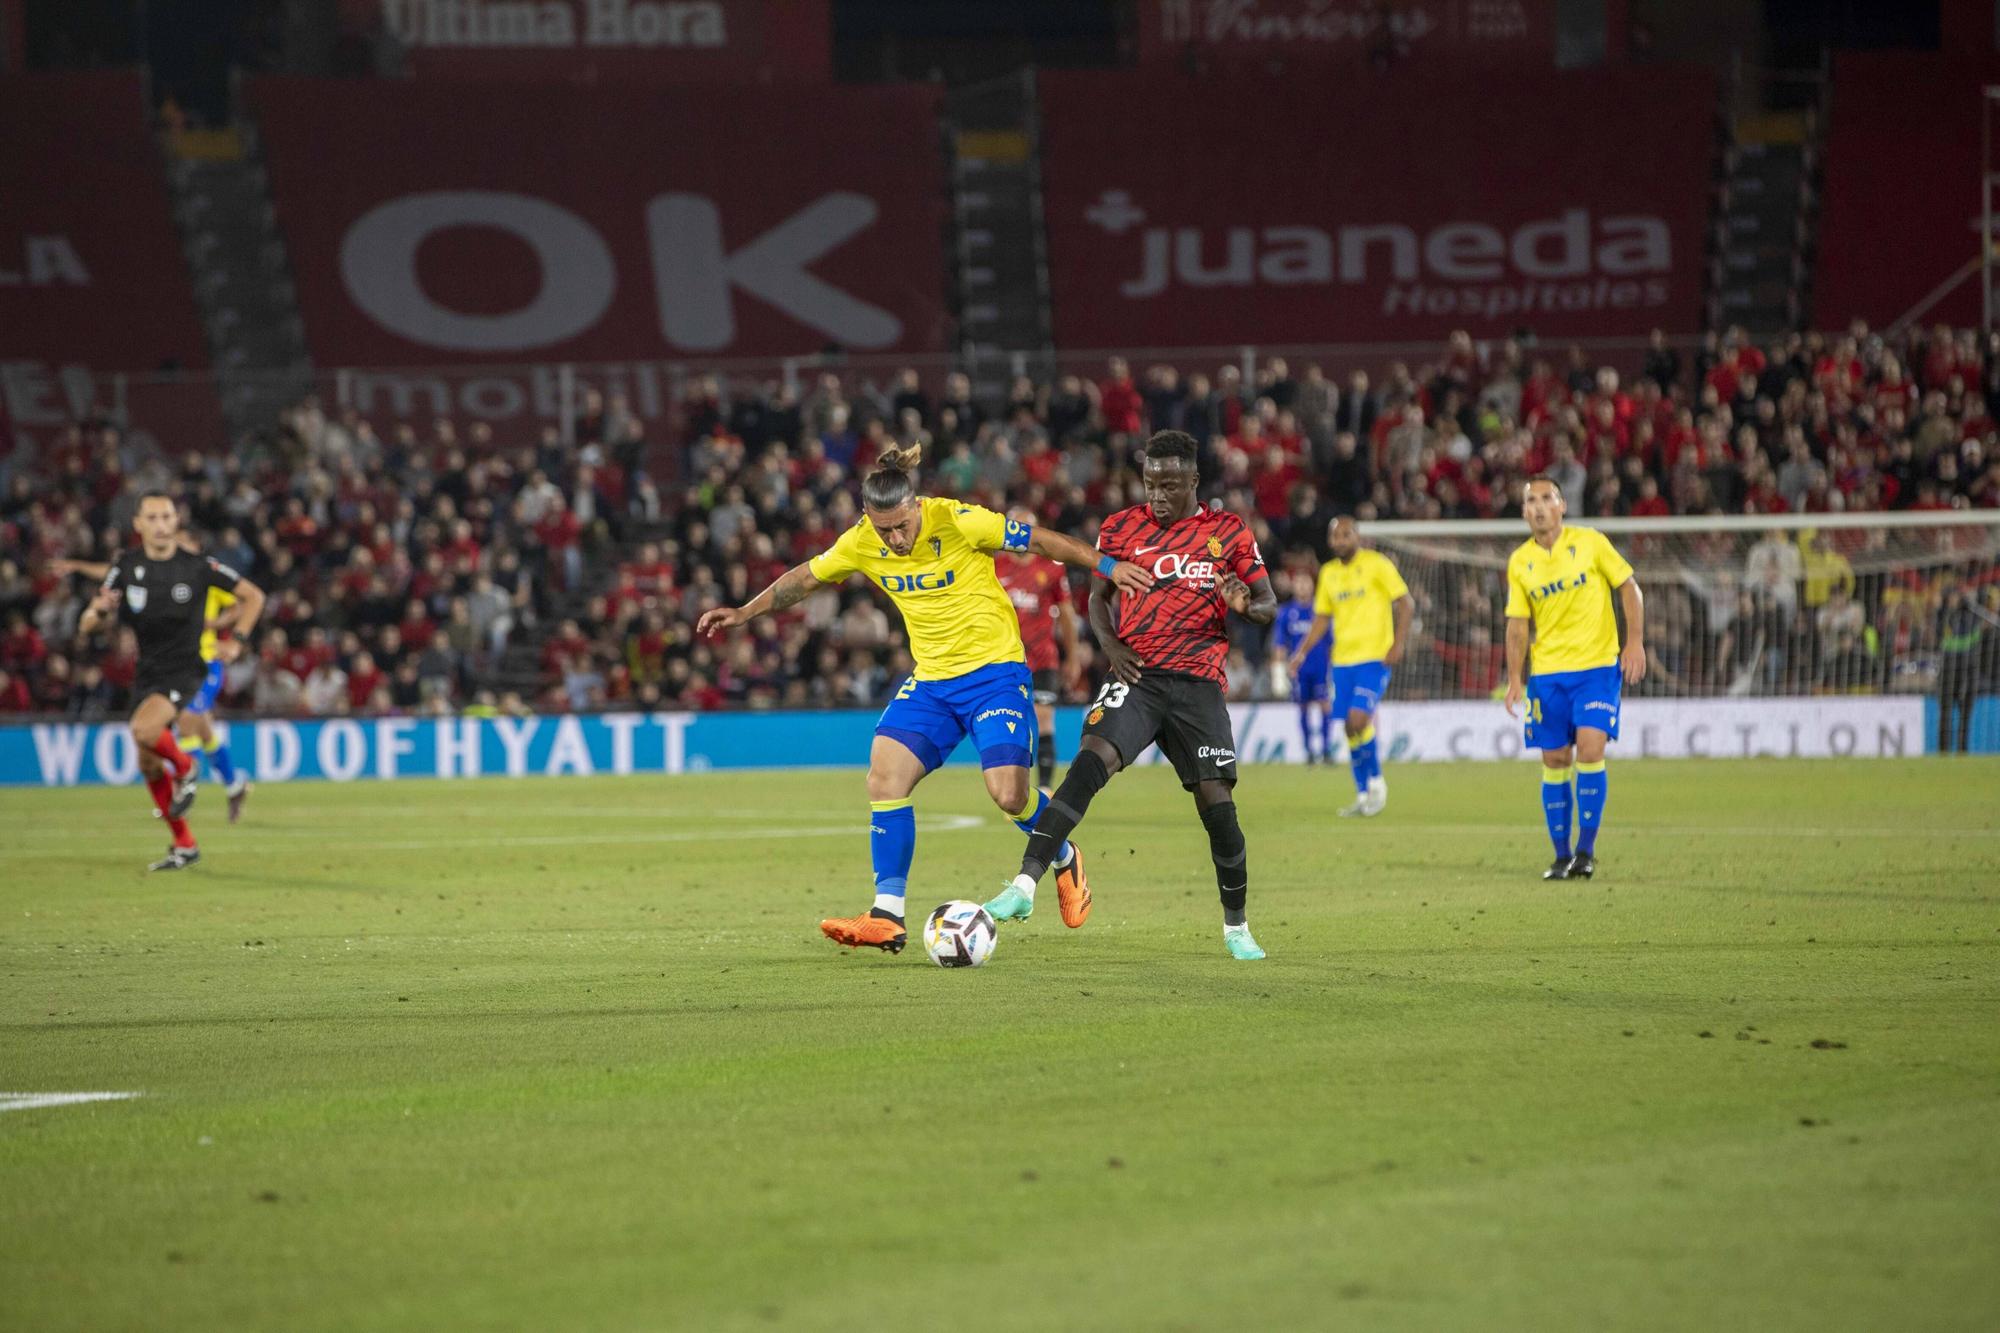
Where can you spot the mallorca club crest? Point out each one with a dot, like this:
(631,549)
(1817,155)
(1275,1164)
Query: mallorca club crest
(1096,716)
(1215,547)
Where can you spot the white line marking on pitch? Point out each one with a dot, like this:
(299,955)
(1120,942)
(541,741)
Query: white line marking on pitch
(934,824)
(34,1101)
(928,824)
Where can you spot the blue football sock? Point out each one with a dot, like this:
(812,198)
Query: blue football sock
(1306,731)
(1555,806)
(892,843)
(225,767)
(1591,784)
(1026,823)
(1361,758)
(1327,728)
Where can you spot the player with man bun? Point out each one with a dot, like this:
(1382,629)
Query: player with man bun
(934,556)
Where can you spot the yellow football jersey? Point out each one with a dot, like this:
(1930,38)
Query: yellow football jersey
(958,617)
(218,602)
(1567,594)
(1358,595)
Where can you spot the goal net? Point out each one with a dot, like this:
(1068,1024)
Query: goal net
(1746,607)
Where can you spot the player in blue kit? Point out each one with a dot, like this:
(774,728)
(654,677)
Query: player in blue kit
(1309,677)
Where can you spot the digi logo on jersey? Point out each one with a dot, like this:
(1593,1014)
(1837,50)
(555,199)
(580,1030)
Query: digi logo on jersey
(926,582)
(1560,585)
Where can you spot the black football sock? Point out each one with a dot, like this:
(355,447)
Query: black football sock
(1045,758)
(1225,847)
(1086,777)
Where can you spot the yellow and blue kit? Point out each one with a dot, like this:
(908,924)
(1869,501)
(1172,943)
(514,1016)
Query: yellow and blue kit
(1359,597)
(1573,678)
(971,675)
(219,600)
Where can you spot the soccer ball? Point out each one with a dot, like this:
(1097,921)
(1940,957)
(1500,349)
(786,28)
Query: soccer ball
(960,934)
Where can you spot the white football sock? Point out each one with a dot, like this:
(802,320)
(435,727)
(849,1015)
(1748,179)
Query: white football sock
(1025,885)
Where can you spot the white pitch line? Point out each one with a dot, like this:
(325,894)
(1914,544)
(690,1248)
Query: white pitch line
(34,1101)
(937,824)
(930,824)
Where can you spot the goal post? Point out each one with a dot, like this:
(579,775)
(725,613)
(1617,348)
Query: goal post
(1736,607)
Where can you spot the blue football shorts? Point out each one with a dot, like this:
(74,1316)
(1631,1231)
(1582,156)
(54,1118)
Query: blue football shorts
(994,705)
(1359,685)
(1561,701)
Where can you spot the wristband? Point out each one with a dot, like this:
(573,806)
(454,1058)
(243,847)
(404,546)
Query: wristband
(1105,564)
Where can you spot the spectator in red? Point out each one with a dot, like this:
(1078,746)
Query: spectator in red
(417,626)
(21,647)
(1273,484)
(14,695)
(363,679)
(1119,401)
(561,536)
(1650,503)
(121,664)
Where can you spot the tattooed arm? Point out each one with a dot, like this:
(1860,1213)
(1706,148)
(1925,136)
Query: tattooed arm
(793,586)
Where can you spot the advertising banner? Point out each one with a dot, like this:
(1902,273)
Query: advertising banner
(1187,211)
(660,41)
(1900,216)
(91,272)
(68,754)
(431,224)
(1468,33)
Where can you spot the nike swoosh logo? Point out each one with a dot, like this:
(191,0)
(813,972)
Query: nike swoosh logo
(1220,762)
(1143,549)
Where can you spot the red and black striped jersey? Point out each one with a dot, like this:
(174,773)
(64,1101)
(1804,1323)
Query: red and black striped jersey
(1181,623)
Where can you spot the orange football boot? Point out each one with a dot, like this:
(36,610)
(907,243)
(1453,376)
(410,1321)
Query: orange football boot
(1073,890)
(866,932)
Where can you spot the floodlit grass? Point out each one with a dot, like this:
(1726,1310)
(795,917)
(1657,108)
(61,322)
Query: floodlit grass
(571,1053)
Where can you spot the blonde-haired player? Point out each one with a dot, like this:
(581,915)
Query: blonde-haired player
(934,558)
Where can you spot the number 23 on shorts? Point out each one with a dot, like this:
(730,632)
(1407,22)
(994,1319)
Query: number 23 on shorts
(1112,695)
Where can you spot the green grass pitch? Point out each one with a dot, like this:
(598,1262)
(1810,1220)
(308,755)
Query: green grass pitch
(572,1054)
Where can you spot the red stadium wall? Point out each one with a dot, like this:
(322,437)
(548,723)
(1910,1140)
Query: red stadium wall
(436,224)
(1901,212)
(91,272)
(659,41)
(1186,211)
(92,280)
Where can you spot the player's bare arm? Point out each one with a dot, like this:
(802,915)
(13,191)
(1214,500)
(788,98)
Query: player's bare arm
(1256,603)
(102,605)
(1517,662)
(1403,609)
(1058,546)
(243,618)
(1124,662)
(1320,625)
(90,569)
(1633,658)
(792,587)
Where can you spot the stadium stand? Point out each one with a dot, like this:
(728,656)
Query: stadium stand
(429,568)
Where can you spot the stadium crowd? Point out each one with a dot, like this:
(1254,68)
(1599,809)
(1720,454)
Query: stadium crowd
(437,569)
